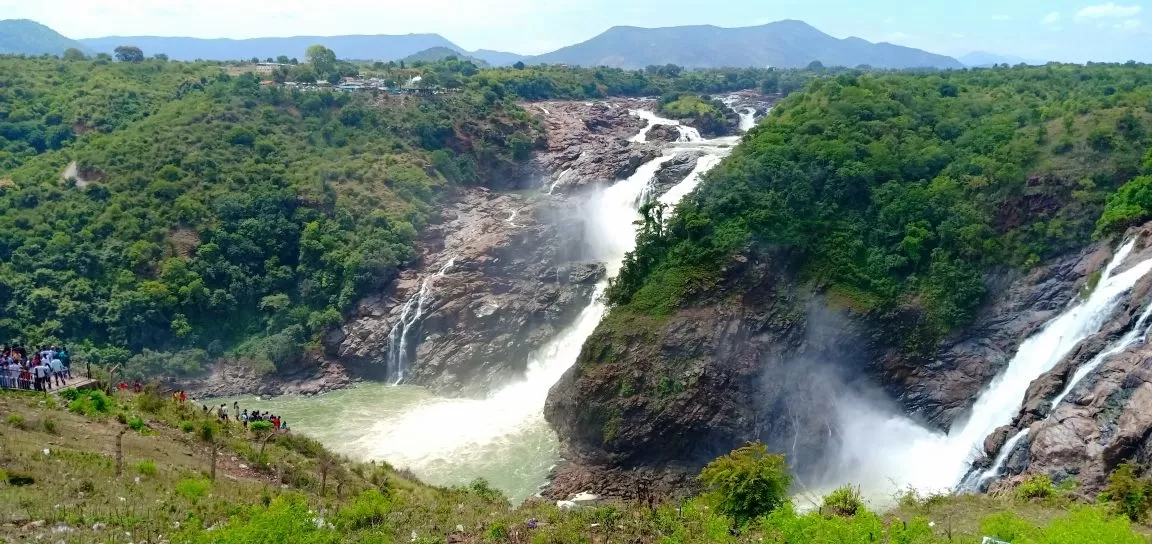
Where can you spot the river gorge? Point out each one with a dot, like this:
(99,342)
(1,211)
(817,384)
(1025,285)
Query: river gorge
(473,359)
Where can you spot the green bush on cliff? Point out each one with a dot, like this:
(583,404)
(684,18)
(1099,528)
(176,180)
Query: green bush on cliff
(748,482)
(1131,205)
(707,115)
(1128,494)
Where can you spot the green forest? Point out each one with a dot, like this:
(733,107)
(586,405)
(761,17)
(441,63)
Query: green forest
(895,192)
(165,214)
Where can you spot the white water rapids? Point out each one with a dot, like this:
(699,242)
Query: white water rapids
(885,453)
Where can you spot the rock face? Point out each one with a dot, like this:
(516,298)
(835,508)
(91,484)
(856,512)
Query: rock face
(512,276)
(676,170)
(588,142)
(1106,419)
(663,133)
(759,358)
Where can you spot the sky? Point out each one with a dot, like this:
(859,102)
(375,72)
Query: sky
(1065,30)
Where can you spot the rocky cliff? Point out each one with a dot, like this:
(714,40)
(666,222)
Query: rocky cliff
(760,357)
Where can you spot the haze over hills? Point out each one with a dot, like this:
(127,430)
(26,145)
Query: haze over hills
(21,36)
(984,58)
(784,44)
(497,58)
(378,47)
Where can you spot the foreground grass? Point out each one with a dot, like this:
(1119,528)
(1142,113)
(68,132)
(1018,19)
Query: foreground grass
(60,483)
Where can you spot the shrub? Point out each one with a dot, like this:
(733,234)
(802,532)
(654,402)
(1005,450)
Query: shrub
(193,489)
(845,501)
(1128,494)
(260,426)
(91,403)
(747,483)
(481,487)
(1038,486)
(187,427)
(497,532)
(50,425)
(368,510)
(147,468)
(136,424)
(17,420)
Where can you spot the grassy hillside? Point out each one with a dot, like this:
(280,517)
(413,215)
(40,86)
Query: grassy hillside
(895,192)
(59,481)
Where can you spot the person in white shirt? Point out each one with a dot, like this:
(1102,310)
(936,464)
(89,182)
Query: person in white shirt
(57,371)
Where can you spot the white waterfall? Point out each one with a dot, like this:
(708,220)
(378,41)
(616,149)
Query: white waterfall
(440,432)
(886,452)
(747,119)
(398,349)
(1138,333)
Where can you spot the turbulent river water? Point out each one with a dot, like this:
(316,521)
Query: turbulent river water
(504,437)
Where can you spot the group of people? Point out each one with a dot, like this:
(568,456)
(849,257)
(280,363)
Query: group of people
(245,418)
(36,369)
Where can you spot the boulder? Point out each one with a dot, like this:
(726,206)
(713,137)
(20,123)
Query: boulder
(663,133)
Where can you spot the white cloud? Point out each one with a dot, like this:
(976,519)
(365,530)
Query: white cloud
(1111,10)
(1128,24)
(1001,17)
(1051,18)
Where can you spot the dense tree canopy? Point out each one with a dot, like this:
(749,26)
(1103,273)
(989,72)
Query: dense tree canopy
(896,191)
(207,215)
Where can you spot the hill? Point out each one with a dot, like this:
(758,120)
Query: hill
(21,36)
(497,58)
(783,44)
(364,47)
(436,54)
(60,482)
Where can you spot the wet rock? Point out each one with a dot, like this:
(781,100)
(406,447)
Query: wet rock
(676,170)
(996,440)
(663,133)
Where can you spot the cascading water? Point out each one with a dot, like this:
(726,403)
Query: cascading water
(436,434)
(885,452)
(687,134)
(398,360)
(747,119)
(1138,333)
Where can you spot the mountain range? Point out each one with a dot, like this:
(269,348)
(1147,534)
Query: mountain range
(785,44)
(984,59)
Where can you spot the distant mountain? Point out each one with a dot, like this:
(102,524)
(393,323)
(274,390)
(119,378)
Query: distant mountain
(497,58)
(783,44)
(21,36)
(440,53)
(374,47)
(984,58)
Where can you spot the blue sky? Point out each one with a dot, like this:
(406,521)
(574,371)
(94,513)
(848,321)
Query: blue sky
(1035,29)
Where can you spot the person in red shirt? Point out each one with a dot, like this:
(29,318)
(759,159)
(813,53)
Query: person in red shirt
(123,386)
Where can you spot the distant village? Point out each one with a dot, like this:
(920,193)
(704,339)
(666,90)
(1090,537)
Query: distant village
(375,85)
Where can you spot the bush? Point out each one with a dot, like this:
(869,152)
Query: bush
(187,427)
(91,403)
(136,424)
(147,468)
(845,501)
(193,489)
(260,426)
(1038,486)
(50,425)
(17,420)
(1128,494)
(481,487)
(748,482)
(368,510)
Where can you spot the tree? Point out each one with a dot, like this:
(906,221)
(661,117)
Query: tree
(129,53)
(160,57)
(816,66)
(74,54)
(283,59)
(748,482)
(322,59)
(519,65)
(263,431)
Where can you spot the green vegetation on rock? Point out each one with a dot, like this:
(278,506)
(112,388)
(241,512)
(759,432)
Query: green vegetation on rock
(900,190)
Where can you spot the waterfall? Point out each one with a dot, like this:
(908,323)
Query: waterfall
(882,448)
(399,351)
(747,119)
(442,432)
(1138,333)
